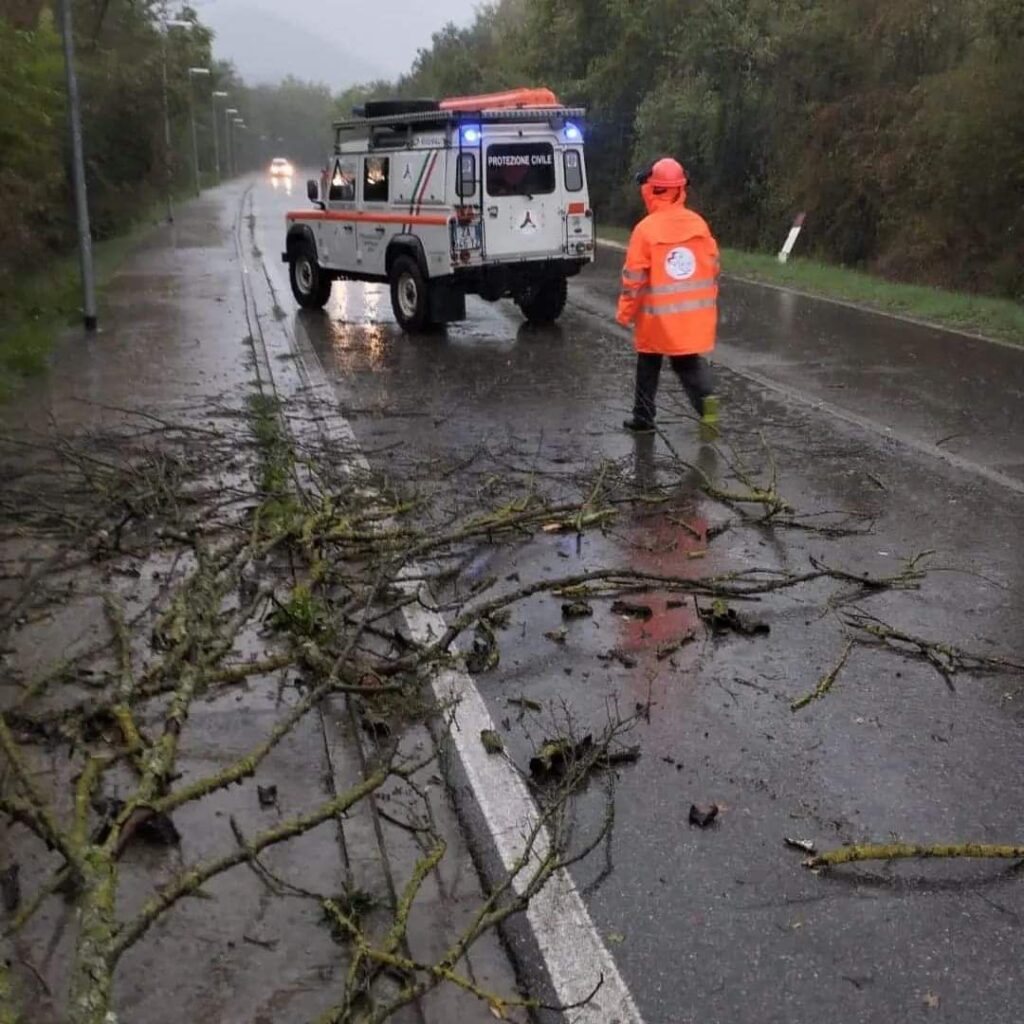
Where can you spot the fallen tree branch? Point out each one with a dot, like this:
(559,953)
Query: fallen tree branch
(902,851)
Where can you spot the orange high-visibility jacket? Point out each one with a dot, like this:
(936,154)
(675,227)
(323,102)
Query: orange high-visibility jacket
(670,280)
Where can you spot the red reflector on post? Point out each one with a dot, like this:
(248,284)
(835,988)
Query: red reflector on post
(578,208)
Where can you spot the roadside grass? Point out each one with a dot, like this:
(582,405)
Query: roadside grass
(36,307)
(978,314)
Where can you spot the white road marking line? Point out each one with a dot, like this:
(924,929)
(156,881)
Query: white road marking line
(575,957)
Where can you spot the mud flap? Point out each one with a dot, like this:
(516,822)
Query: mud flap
(447,303)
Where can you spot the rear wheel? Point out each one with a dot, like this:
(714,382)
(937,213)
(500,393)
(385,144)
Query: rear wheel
(311,284)
(543,303)
(410,296)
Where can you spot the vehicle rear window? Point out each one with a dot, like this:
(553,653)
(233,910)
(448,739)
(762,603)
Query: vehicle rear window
(573,171)
(520,169)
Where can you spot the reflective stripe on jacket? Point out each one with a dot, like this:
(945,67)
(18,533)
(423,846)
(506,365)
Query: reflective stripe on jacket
(670,281)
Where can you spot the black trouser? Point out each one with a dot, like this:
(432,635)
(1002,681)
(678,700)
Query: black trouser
(693,373)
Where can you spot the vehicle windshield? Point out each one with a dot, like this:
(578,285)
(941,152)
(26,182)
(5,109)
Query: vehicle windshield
(520,169)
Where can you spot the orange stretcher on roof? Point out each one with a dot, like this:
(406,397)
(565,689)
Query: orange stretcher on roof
(514,98)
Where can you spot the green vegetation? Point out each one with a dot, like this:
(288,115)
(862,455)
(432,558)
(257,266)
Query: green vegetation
(896,125)
(979,314)
(36,306)
(120,60)
(995,318)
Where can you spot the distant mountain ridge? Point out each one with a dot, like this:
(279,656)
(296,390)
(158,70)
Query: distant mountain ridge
(265,47)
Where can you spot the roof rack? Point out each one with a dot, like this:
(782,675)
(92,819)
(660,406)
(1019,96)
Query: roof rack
(443,117)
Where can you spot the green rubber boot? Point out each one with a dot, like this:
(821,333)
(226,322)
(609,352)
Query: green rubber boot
(709,419)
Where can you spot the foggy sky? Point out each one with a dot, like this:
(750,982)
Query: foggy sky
(340,42)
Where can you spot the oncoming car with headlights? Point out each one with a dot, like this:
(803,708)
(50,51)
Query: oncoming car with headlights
(281,168)
(480,195)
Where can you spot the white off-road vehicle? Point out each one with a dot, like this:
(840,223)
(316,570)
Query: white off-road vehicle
(480,195)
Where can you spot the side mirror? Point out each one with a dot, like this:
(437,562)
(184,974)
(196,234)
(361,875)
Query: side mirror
(313,190)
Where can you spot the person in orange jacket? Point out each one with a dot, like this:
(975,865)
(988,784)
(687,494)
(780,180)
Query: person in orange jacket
(670,297)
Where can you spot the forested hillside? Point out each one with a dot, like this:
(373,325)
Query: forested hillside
(121,55)
(897,125)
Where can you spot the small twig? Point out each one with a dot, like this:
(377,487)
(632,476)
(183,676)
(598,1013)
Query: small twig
(826,681)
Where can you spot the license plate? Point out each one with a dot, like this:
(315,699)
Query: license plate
(465,236)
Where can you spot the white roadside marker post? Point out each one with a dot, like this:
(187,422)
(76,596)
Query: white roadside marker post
(794,233)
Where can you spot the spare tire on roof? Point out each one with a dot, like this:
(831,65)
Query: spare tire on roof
(397,108)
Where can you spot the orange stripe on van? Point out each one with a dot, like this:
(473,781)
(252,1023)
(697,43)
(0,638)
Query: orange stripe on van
(372,218)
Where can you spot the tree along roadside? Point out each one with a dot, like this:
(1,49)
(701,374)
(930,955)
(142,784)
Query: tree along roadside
(1000,319)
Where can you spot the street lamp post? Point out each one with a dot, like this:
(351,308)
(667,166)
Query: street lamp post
(217,94)
(240,124)
(78,173)
(229,140)
(192,117)
(165,24)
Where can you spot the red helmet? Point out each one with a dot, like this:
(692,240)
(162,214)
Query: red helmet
(668,173)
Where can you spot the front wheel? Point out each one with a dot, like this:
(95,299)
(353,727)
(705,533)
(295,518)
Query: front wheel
(311,284)
(410,298)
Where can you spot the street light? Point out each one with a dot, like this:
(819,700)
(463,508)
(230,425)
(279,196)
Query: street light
(78,172)
(192,117)
(165,24)
(217,94)
(229,138)
(240,124)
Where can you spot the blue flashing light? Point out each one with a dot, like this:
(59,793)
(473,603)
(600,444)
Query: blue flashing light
(572,132)
(470,136)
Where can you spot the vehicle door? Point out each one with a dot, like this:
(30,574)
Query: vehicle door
(339,227)
(374,227)
(522,206)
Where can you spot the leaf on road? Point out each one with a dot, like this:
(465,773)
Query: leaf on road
(555,756)
(485,653)
(492,742)
(624,659)
(577,610)
(801,844)
(721,619)
(703,815)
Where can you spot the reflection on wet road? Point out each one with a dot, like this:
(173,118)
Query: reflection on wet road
(724,925)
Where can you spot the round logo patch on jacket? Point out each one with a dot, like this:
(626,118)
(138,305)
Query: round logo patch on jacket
(680,263)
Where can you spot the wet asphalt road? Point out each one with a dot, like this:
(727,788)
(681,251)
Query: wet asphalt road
(724,925)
